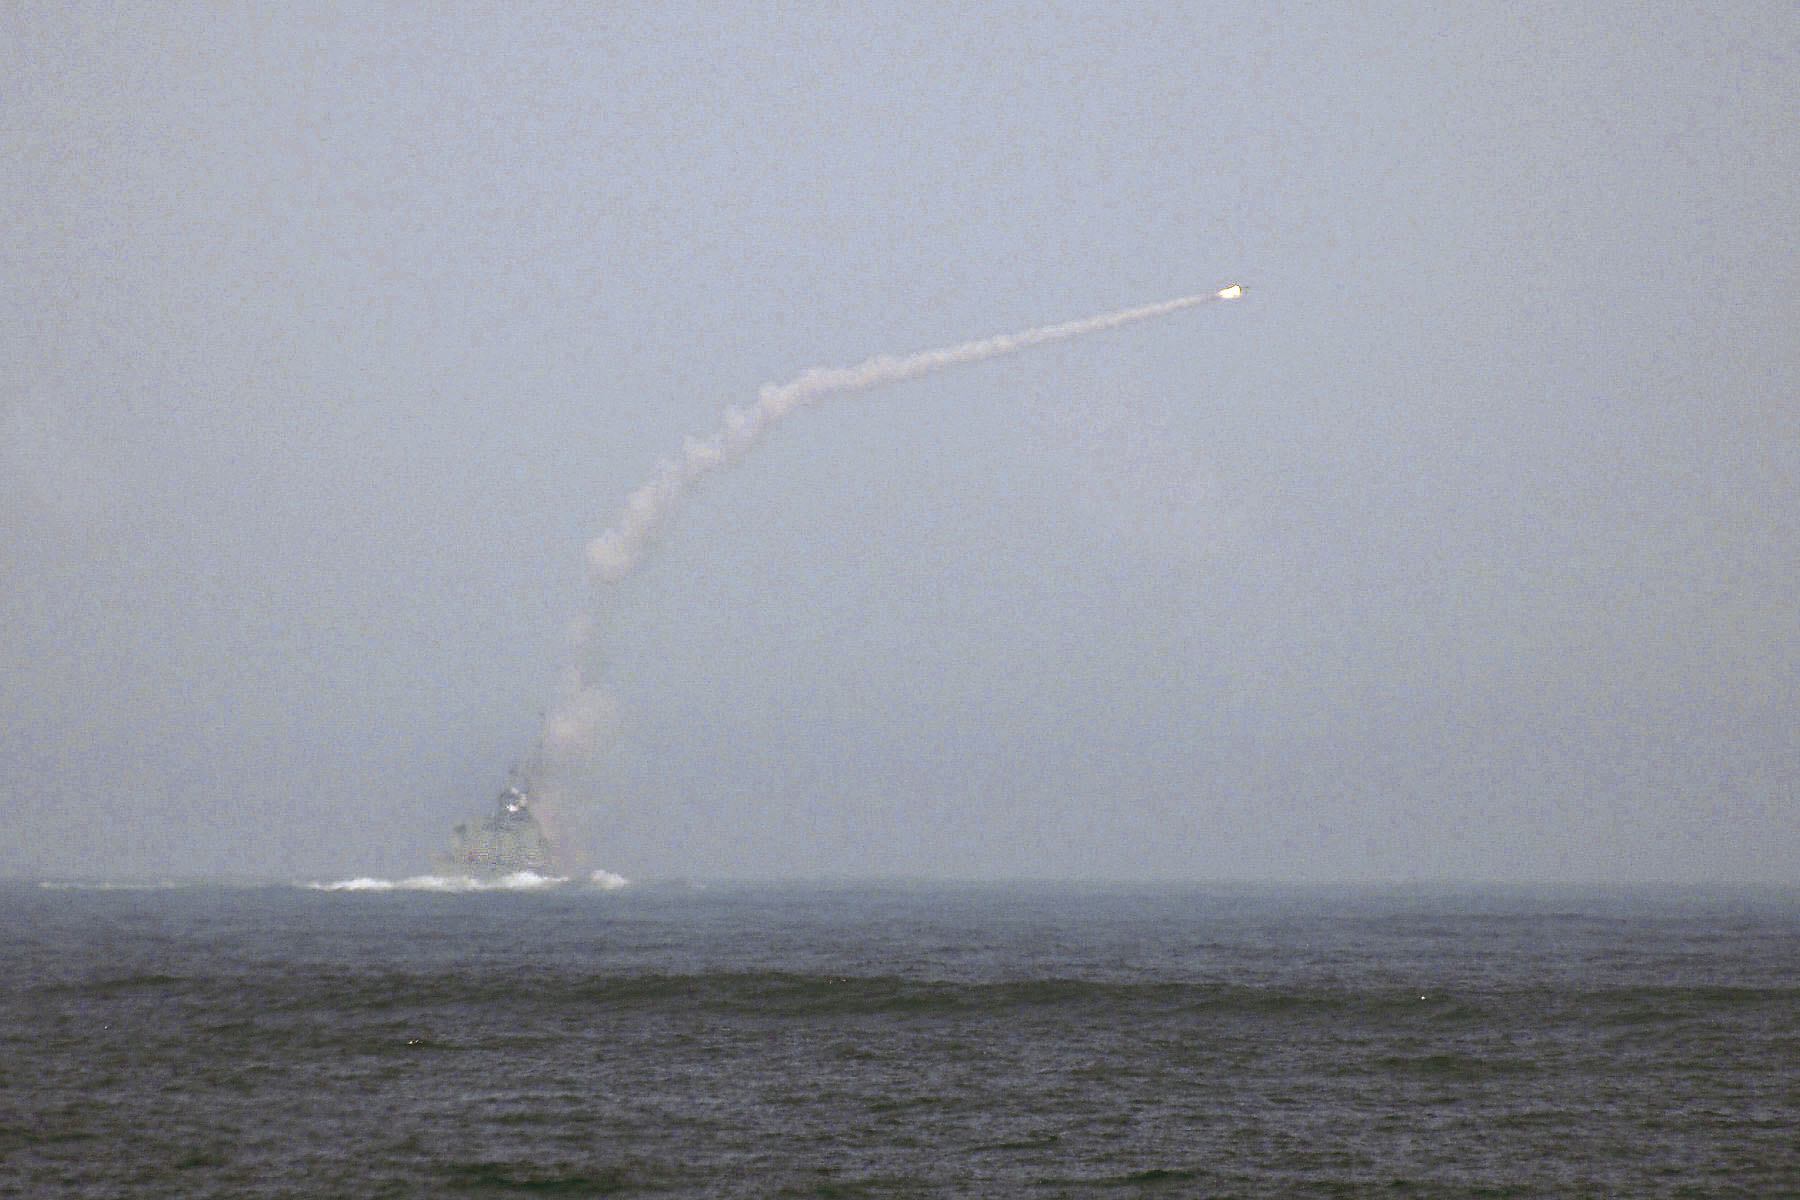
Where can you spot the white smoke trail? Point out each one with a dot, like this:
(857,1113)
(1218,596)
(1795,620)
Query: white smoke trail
(584,716)
(616,553)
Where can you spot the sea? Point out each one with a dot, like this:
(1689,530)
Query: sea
(372,1038)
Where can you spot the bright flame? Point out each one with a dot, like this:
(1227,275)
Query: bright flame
(1232,292)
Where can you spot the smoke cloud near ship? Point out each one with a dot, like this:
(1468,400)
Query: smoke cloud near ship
(584,716)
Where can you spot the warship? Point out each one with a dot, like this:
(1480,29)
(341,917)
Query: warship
(506,843)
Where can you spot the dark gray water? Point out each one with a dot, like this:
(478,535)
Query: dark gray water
(899,1041)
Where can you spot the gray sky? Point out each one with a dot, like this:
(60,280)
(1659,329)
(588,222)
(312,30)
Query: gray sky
(1462,547)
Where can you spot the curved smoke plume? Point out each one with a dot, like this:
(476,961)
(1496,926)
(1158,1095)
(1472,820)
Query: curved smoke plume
(584,716)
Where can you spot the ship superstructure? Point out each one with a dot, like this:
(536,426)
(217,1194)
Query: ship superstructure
(506,843)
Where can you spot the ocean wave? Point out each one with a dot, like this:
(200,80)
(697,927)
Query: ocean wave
(102,885)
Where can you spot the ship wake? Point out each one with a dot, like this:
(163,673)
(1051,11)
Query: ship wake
(517,881)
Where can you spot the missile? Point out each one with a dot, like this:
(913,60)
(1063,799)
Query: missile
(1232,292)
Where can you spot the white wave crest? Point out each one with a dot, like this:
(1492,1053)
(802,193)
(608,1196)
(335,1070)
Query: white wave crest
(606,881)
(519,881)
